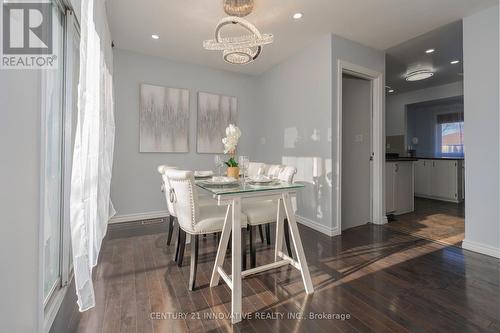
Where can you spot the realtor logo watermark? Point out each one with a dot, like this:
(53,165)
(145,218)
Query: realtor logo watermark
(27,40)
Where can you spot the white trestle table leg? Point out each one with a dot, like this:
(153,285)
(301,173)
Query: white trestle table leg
(236,293)
(297,244)
(279,230)
(221,251)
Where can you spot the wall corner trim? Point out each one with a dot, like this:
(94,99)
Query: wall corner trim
(481,248)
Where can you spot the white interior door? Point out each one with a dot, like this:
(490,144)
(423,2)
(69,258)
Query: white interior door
(356,151)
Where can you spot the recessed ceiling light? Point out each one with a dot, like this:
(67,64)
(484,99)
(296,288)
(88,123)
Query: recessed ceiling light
(297,16)
(454,62)
(430,51)
(419,75)
(155,36)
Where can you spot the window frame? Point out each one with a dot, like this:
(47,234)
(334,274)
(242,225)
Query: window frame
(49,305)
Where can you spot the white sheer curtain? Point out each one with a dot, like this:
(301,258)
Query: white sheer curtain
(90,204)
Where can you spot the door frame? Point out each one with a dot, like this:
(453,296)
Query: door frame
(377,177)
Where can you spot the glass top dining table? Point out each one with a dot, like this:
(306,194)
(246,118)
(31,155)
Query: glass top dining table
(242,187)
(231,196)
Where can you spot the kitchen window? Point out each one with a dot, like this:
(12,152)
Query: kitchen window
(450,138)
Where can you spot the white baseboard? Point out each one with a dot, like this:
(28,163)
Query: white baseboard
(481,248)
(438,198)
(317,226)
(159,214)
(138,216)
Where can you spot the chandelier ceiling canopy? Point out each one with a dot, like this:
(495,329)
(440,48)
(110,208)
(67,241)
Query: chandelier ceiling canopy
(238,8)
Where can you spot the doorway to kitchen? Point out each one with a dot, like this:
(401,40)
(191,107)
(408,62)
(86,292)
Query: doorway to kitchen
(425,136)
(434,131)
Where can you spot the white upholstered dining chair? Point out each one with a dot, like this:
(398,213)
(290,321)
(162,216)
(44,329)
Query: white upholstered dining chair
(202,201)
(255,168)
(265,212)
(170,209)
(194,219)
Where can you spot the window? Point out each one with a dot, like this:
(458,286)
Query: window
(450,134)
(451,139)
(53,87)
(59,98)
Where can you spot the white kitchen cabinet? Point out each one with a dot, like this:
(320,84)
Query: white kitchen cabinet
(399,191)
(439,179)
(405,192)
(390,187)
(423,177)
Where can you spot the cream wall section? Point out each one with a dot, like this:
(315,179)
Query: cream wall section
(482,130)
(396,104)
(135,187)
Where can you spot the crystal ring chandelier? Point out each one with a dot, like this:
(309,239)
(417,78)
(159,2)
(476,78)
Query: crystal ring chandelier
(240,49)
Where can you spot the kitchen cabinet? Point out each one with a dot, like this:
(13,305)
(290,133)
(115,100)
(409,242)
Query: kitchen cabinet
(390,187)
(439,179)
(399,187)
(423,177)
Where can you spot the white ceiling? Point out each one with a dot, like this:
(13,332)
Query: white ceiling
(184,24)
(447,42)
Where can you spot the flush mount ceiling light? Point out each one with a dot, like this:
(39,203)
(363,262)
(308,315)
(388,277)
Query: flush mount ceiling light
(238,8)
(297,16)
(418,75)
(155,36)
(240,49)
(430,51)
(391,91)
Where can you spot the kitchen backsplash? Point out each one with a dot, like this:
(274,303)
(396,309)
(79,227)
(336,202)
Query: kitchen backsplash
(395,144)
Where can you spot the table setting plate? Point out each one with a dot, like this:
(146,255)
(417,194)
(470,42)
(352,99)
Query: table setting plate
(259,180)
(203,174)
(221,181)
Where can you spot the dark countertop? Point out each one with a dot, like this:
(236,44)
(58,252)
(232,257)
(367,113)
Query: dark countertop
(401,159)
(441,158)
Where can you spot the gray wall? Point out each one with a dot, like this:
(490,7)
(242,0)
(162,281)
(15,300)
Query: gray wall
(298,98)
(481,132)
(20,285)
(286,116)
(295,108)
(396,104)
(135,187)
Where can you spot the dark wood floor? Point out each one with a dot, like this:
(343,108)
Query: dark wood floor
(435,220)
(386,281)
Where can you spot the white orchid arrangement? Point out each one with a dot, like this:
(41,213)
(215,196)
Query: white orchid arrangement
(233,134)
